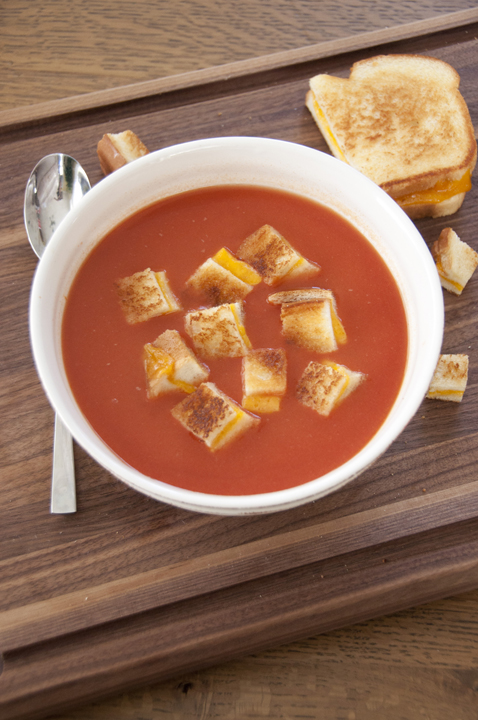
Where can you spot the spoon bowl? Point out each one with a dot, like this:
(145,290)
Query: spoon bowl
(56,185)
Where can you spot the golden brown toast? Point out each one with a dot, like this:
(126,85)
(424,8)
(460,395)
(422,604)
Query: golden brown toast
(401,121)
(213,417)
(117,149)
(450,378)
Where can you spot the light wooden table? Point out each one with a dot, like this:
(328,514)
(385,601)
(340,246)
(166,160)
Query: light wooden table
(421,663)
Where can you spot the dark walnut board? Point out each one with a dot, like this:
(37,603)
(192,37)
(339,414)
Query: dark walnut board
(129,591)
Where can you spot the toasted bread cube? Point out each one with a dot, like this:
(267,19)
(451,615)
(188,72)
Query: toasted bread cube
(273,258)
(218,284)
(264,379)
(284,297)
(450,378)
(239,268)
(455,260)
(219,331)
(145,295)
(288,297)
(213,417)
(158,367)
(324,385)
(309,325)
(183,372)
(261,404)
(117,149)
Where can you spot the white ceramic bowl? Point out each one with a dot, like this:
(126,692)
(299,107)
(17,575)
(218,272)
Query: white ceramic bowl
(251,161)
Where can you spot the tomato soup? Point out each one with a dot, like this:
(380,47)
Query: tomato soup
(103,353)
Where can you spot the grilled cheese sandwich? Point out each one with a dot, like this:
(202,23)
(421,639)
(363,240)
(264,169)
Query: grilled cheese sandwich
(213,417)
(218,331)
(401,120)
(145,295)
(274,258)
(224,279)
(170,365)
(264,379)
(450,378)
(117,149)
(455,261)
(323,386)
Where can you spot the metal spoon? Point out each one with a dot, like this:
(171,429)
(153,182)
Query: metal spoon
(57,183)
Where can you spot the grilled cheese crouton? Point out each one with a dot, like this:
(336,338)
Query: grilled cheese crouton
(213,417)
(145,295)
(264,379)
(455,260)
(218,331)
(171,365)
(324,385)
(218,284)
(117,149)
(449,379)
(309,325)
(273,258)
(289,297)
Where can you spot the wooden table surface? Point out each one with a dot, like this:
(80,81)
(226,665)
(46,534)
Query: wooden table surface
(421,663)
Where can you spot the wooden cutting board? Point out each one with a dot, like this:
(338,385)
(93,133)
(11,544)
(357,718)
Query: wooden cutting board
(129,591)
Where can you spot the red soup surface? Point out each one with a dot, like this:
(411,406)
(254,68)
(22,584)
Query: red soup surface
(103,354)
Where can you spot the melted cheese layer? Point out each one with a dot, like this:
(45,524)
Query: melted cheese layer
(227,429)
(328,132)
(443,190)
(239,268)
(443,275)
(240,327)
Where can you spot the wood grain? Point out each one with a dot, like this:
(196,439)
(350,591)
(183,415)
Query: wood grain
(49,53)
(193,590)
(388,668)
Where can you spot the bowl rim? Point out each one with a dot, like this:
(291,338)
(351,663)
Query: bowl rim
(233,504)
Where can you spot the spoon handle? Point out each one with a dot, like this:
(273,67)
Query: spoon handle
(63,490)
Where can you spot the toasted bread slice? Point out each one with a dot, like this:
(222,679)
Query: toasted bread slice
(455,260)
(264,379)
(218,284)
(309,325)
(213,417)
(170,365)
(290,297)
(450,378)
(219,331)
(401,120)
(301,295)
(117,149)
(324,385)
(273,257)
(144,295)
